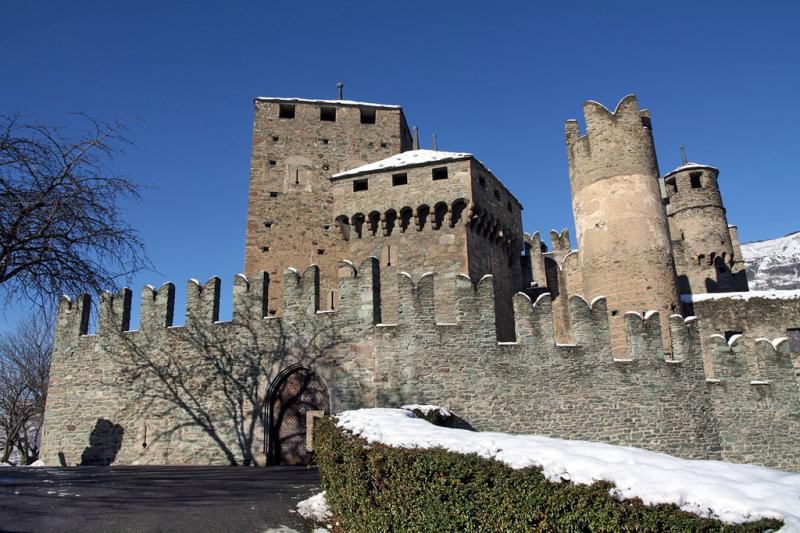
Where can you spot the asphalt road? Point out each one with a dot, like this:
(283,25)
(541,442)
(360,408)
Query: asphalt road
(144,499)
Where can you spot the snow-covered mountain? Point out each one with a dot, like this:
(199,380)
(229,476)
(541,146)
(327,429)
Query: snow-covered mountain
(773,264)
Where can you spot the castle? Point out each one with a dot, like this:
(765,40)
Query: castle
(425,289)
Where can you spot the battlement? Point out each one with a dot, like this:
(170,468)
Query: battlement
(743,361)
(359,306)
(616,143)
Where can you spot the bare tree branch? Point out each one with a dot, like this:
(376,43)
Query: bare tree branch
(61,224)
(24,374)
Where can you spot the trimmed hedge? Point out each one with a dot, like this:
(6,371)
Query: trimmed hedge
(373,488)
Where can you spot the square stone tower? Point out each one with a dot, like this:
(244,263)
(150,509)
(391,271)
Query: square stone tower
(297,145)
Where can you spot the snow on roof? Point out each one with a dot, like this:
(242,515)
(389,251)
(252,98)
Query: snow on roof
(734,493)
(333,102)
(689,166)
(770,295)
(404,159)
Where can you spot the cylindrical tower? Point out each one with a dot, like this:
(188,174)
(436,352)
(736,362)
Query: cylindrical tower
(697,220)
(622,232)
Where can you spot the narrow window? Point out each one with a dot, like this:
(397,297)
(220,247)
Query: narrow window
(332,299)
(439,173)
(482,182)
(730,333)
(496,194)
(360,185)
(794,339)
(327,114)
(694,179)
(399,179)
(286,111)
(367,116)
(508,206)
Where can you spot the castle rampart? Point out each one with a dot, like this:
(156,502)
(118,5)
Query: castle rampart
(582,390)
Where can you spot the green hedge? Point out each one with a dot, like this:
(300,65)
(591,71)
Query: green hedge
(373,488)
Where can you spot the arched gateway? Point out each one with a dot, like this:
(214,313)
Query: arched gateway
(296,391)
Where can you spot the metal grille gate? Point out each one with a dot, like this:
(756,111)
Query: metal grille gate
(299,392)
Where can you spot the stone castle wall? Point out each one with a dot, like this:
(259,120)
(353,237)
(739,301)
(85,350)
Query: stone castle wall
(740,407)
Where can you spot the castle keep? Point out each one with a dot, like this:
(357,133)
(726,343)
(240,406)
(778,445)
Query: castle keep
(425,289)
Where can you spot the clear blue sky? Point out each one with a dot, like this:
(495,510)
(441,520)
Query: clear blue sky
(494,78)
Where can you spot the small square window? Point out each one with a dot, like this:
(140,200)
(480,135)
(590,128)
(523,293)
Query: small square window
(275,138)
(399,179)
(694,179)
(327,114)
(360,185)
(367,116)
(320,251)
(273,194)
(496,194)
(286,111)
(324,140)
(439,173)
(482,181)
(272,162)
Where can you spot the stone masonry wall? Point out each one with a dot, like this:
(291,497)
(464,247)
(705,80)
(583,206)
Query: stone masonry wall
(745,412)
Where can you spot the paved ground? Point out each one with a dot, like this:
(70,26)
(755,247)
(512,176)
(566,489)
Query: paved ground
(143,499)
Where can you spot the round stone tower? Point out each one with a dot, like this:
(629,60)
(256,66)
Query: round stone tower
(622,231)
(704,250)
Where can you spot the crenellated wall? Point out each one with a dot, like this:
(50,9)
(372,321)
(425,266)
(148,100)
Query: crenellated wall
(741,408)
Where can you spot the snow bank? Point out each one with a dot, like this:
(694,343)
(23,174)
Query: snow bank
(37,463)
(315,508)
(730,492)
(404,159)
(772,295)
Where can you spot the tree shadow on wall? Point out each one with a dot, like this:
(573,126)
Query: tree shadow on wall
(212,377)
(105,442)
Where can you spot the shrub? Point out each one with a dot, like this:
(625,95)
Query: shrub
(373,488)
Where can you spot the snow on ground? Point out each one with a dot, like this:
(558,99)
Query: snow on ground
(425,409)
(771,295)
(774,263)
(315,508)
(404,159)
(37,463)
(733,493)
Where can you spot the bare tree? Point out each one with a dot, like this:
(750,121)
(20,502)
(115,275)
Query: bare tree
(24,371)
(61,224)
